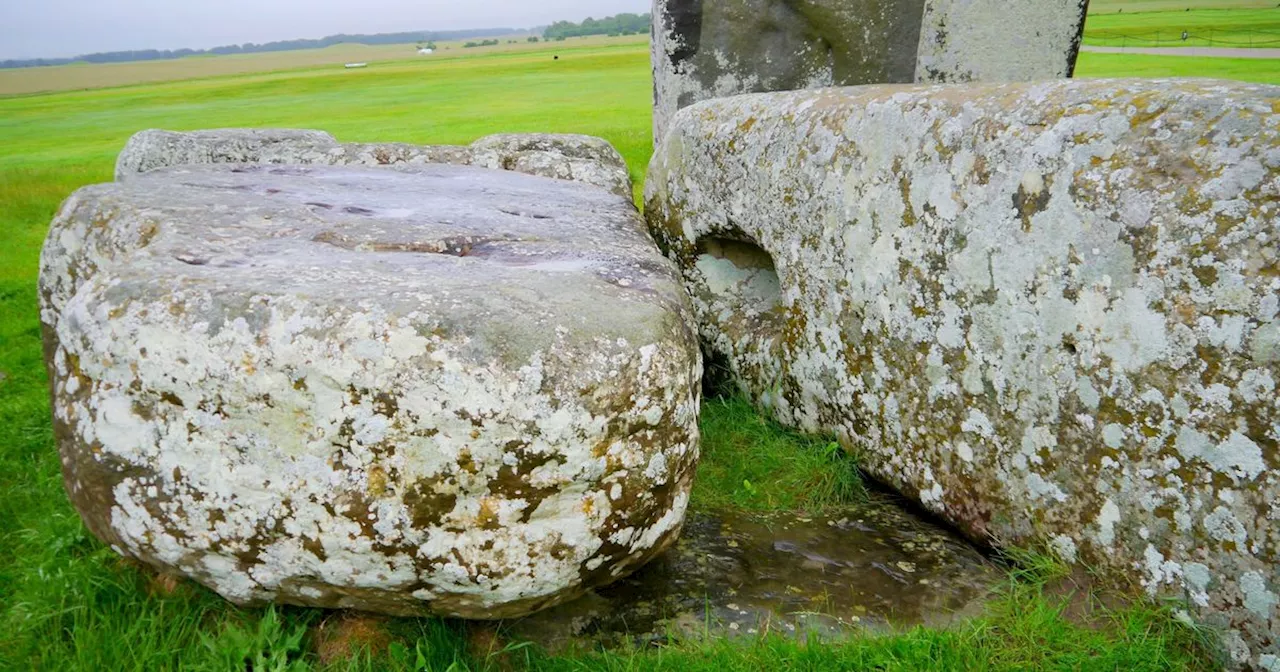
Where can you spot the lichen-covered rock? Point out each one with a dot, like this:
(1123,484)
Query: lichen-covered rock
(707,50)
(999,40)
(394,154)
(578,158)
(837,575)
(1050,312)
(149,150)
(442,390)
(581,158)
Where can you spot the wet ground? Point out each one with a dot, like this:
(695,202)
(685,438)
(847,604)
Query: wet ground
(874,567)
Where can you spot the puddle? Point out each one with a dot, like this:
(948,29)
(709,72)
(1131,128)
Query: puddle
(874,567)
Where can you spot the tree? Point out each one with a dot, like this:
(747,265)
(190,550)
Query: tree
(622,24)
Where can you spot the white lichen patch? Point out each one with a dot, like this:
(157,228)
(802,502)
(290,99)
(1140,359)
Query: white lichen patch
(413,392)
(1048,310)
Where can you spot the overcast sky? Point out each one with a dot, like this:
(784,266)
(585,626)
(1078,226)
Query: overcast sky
(57,28)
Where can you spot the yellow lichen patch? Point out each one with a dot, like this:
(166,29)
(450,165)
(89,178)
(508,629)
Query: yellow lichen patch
(377,482)
(488,518)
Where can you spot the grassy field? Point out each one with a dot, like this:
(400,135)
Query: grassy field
(1111,23)
(1102,7)
(1161,23)
(1261,70)
(68,603)
(83,76)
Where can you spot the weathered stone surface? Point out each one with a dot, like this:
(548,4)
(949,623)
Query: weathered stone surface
(149,150)
(999,40)
(705,50)
(872,567)
(579,158)
(442,390)
(1050,312)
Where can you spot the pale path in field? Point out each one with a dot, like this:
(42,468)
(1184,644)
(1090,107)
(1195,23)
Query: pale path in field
(1222,52)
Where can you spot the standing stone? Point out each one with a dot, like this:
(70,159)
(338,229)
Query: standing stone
(578,158)
(1049,312)
(707,50)
(435,390)
(999,40)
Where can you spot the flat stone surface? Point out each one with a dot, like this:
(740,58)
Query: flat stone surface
(705,50)
(443,390)
(873,567)
(1050,312)
(577,158)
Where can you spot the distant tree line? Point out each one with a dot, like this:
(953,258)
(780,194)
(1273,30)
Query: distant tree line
(251,48)
(622,24)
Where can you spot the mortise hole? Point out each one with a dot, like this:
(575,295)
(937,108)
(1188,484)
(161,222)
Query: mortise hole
(739,274)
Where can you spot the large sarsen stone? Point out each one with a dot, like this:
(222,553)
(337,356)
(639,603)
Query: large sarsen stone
(443,390)
(713,49)
(1050,312)
(578,158)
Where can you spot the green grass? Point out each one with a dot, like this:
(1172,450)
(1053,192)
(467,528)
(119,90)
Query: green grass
(1025,631)
(754,464)
(1161,24)
(68,603)
(1261,70)
(1098,7)
(603,91)
(81,76)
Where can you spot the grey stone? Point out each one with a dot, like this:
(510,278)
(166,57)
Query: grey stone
(149,150)
(707,50)
(444,390)
(998,40)
(578,158)
(1046,311)
(395,154)
(839,574)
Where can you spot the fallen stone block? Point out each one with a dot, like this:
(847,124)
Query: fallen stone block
(578,158)
(1049,312)
(439,390)
(707,50)
(837,575)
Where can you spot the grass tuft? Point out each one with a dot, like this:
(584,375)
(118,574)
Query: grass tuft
(1024,630)
(754,464)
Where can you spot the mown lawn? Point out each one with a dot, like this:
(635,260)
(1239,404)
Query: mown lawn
(1161,23)
(1103,7)
(1261,70)
(82,76)
(68,603)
